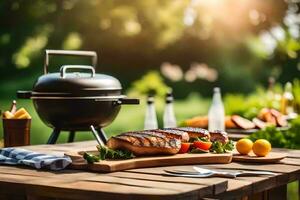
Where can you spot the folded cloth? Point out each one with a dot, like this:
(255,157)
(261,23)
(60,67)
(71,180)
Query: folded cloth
(16,156)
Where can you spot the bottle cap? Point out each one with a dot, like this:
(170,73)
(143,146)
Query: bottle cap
(216,90)
(169,97)
(288,87)
(150,99)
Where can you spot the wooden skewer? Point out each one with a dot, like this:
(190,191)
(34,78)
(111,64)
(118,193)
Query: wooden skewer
(13,107)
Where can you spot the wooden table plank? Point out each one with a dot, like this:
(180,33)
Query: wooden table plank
(66,188)
(148,183)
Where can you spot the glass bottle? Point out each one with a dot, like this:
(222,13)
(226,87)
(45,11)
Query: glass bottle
(287,100)
(150,117)
(216,114)
(169,118)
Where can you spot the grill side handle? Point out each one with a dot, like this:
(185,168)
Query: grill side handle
(24,94)
(129,101)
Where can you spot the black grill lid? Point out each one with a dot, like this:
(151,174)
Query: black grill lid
(76,83)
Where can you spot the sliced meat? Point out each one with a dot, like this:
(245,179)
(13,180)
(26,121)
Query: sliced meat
(280,118)
(259,123)
(199,122)
(178,134)
(193,132)
(275,113)
(267,116)
(145,143)
(229,124)
(281,121)
(263,113)
(218,135)
(242,122)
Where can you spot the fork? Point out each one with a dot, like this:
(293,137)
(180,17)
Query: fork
(202,172)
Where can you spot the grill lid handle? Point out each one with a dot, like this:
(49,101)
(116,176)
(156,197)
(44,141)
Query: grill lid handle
(63,69)
(91,54)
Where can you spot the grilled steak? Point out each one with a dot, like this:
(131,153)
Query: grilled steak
(145,143)
(193,132)
(171,133)
(218,136)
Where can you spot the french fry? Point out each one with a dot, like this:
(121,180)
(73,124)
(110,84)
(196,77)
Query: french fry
(25,116)
(19,113)
(13,108)
(7,115)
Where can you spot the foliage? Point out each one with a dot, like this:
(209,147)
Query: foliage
(90,158)
(272,134)
(249,105)
(151,82)
(293,135)
(219,147)
(281,139)
(133,36)
(296,92)
(107,153)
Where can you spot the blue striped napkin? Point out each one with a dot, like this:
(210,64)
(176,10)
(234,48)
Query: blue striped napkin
(16,156)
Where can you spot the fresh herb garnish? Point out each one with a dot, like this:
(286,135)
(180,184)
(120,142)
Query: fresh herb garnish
(229,146)
(107,153)
(90,158)
(219,147)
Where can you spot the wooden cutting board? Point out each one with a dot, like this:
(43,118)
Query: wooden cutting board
(141,162)
(272,157)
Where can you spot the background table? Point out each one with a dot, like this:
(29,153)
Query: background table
(148,183)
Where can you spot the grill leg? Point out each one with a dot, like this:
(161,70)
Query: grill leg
(102,135)
(71,136)
(54,136)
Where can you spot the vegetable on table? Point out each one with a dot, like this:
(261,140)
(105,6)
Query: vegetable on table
(202,145)
(90,158)
(107,153)
(219,147)
(185,146)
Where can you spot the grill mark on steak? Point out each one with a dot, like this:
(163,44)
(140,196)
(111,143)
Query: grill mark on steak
(143,141)
(193,132)
(149,139)
(172,133)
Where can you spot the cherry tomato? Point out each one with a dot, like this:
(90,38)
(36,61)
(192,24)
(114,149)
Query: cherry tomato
(202,145)
(184,147)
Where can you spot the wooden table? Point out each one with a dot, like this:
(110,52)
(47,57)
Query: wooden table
(148,183)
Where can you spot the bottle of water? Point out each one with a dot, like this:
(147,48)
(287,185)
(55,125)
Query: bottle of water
(216,114)
(287,101)
(169,118)
(150,117)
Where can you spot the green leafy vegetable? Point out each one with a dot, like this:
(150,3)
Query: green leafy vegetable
(107,153)
(272,134)
(219,147)
(282,139)
(229,146)
(90,158)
